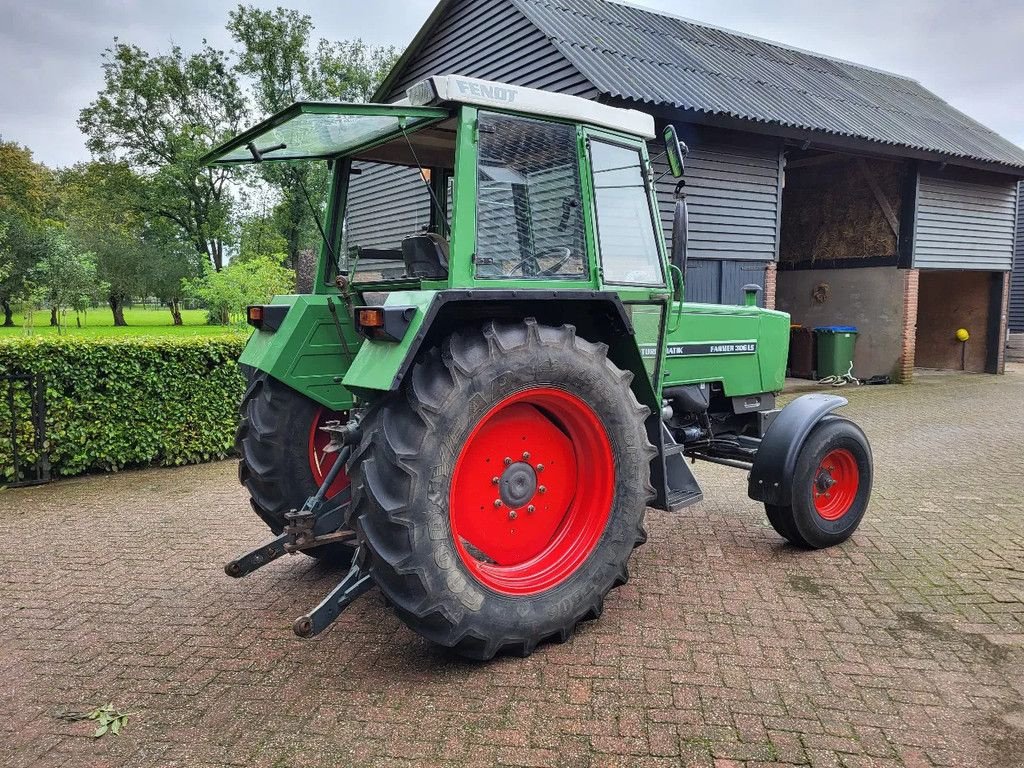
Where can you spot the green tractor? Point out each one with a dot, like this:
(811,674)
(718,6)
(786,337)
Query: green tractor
(495,373)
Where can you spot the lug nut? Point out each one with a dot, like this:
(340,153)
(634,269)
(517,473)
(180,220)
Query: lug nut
(542,489)
(507,461)
(497,502)
(495,480)
(526,455)
(531,509)
(540,467)
(512,515)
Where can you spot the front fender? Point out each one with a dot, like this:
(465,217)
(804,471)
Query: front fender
(771,476)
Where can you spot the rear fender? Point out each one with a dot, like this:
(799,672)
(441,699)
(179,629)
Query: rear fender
(304,351)
(598,316)
(771,476)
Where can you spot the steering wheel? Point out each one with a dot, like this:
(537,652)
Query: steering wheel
(562,254)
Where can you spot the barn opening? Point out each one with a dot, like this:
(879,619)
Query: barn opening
(839,246)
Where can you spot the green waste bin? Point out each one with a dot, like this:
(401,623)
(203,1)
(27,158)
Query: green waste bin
(835,349)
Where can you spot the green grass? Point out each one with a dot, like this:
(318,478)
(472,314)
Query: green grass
(142,321)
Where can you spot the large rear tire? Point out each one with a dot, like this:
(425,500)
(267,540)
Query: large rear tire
(502,490)
(282,454)
(831,487)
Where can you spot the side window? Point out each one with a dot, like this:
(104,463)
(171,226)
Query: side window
(529,221)
(625,223)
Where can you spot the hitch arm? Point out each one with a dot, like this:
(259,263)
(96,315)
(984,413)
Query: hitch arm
(256,558)
(355,583)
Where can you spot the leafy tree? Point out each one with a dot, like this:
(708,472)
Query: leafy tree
(26,191)
(351,70)
(65,278)
(160,114)
(172,264)
(24,183)
(21,247)
(99,202)
(227,293)
(261,236)
(282,64)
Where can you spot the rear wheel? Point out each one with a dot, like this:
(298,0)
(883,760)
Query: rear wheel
(501,492)
(831,487)
(283,454)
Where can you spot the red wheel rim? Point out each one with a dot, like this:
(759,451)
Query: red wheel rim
(532,491)
(835,484)
(320,461)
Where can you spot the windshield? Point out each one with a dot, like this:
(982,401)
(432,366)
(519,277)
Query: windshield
(311,130)
(529,221)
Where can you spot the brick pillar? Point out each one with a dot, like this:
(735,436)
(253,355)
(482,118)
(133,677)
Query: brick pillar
(770,275)
(909,335)
(1004,317)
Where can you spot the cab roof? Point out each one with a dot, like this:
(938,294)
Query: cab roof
(443,89)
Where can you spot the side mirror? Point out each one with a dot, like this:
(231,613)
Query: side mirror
(675,150)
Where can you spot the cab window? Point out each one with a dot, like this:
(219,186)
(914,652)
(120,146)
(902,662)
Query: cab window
(625,222)
(529,223)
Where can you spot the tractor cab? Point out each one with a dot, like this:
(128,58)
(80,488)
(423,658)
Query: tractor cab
(467,183)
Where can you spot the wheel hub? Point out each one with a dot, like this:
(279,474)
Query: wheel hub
(518,484)
(824,481)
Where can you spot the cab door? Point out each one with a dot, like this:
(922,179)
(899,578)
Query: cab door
(627,239)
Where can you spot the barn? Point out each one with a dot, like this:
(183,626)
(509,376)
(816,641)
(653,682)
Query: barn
(854,196)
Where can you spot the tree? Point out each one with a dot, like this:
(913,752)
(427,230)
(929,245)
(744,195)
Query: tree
(161,114)
(99,201)
(227,293)
(26,192)
(172,265)
(24,187)
(282,65)
(21,247)
(65,278)
(260,235)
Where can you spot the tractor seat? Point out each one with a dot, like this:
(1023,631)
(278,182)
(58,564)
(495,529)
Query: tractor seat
(426,256)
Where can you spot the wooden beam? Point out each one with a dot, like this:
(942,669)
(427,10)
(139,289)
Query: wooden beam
(880,198)
(808,162)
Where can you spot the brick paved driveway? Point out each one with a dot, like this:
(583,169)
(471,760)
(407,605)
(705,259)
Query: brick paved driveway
(903,647)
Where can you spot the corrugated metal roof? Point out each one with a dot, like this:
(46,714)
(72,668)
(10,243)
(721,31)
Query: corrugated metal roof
(644,56)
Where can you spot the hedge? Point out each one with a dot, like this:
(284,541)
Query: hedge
(113,403)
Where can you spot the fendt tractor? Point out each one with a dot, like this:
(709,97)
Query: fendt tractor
(495,372)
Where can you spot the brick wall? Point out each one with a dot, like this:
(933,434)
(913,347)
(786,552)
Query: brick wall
(910,286)
(1004,316)
(770,275)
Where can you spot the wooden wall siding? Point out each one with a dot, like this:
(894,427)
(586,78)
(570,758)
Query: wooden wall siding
(386,203)
(733,197)
(721,281)
(1016,306)
(963,224)
(491,39)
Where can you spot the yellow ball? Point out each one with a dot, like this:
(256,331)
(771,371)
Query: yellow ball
(962,334)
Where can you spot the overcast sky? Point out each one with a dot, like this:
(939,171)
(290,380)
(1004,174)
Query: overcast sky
(969,53)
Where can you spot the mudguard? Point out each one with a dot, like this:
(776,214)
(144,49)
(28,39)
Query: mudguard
(771,477)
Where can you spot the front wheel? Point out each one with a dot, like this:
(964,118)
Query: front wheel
(831,487)
(502,490)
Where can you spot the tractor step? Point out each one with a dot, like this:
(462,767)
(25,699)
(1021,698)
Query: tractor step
(355,583)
